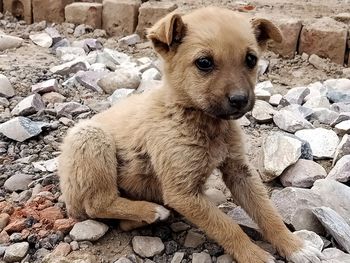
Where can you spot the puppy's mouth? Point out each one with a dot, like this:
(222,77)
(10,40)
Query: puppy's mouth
(231,116)
(229,113)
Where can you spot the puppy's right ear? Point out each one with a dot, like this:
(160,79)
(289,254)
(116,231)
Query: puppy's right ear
(167,33)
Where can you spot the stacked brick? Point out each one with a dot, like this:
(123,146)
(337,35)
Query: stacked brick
(325,37)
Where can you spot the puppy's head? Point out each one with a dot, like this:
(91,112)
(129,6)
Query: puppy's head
(210,58)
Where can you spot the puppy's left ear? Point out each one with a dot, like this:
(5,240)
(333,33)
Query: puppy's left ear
(167,33)
(265,30)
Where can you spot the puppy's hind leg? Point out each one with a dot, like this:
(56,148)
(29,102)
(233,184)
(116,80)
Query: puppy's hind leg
(88,178)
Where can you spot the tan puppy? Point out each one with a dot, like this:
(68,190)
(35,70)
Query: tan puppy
(159,147)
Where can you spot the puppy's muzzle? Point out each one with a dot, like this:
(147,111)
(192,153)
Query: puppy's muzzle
(238,101)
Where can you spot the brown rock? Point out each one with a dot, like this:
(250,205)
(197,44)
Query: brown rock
(6,207)
(49,10)
(62,250)
(53,97)
(64,225)
(150,13)
(290,29)
(4,219)
(84,13)
(51,214)
(120,16)
(325,38)
(21,9)
(16,225)
(4,238)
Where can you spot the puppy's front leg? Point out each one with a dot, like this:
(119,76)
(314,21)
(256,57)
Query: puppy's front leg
(249,192)
(200,211)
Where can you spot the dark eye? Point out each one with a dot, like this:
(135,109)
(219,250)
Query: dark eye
(251,60)
(205,64)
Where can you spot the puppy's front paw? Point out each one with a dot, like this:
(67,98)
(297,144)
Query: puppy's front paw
(161,213)
(307,254)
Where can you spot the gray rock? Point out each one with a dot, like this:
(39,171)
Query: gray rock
(335,225)
(324,115)
(334,195)
(242,218)
(263,111)
(113,56)
(291,121)
(318,102)
(306,152)
(263,64)
(98,106)
(6,89)
(54,34)
(344,116)
(123,260)
(343,148)
(4,102)
(18,182)
(177,258)
(302,174)
(279,152)
(21,128)
(70,108)
(70,67)
(295,205)
(263,90)
(275,99)
(312,237)
(91,44)
(201,258)
(343,127)
(216,196)
(130,40)
(296,95)
(120,79)
(81,30)
(334,255)
(341,171)
(338,90)
(225,259)
(88,230)
(119,94)
(318,62)
(147,246)
(298,109)
(317,89)
(29,105)
(341,107)
(67,54)
(9,42)
(42,39)
(46,166)
(89,79)
(45,86)
(179,227)
(243,121)
(194,239)
(151,74)
(323,142)
(16,252)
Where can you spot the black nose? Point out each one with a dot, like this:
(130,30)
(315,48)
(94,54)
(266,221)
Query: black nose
(238,101)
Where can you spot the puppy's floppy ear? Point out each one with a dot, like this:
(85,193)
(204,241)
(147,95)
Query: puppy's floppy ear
(265,30)
(167,33)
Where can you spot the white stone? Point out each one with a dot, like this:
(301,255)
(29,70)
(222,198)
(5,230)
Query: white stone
(70,53)
(16,252)
(263,64)
(343,148)
(312,237)
(88,230)
(201,258)
(18,182)
(225,259)
(215,195)
(344,116)
(279,152)
(70,67)
(9,42)
(120,79)
(341,171)
(275,99)
(29,105)
(151,74)
(318,102)
(298,109)
(263,111)
(323,142)
(263,90)
(343,127)
(302,174)
(130,40)
(45,86)
(21,128)
(47,166)
(42,40)
(334,255)
(296,95)
(177,258)
(335,225)
(317,89)
(290,121)
(119,94)
(147,246)
(338,90)
(324,115)
(6,89)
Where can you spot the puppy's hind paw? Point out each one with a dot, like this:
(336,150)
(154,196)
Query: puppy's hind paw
(308,254)
(161,213)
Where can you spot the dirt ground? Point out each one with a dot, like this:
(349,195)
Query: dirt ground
(29,64)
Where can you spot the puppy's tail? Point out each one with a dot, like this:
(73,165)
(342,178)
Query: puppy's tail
(87,168)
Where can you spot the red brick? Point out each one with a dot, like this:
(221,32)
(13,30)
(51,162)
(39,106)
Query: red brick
(22,9)
(51,214)
(84,13)
(64,225)
(290,29)
(119,17)
(49,10)
(325,38)
(150,13)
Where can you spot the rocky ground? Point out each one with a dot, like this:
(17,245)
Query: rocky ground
(53,75)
